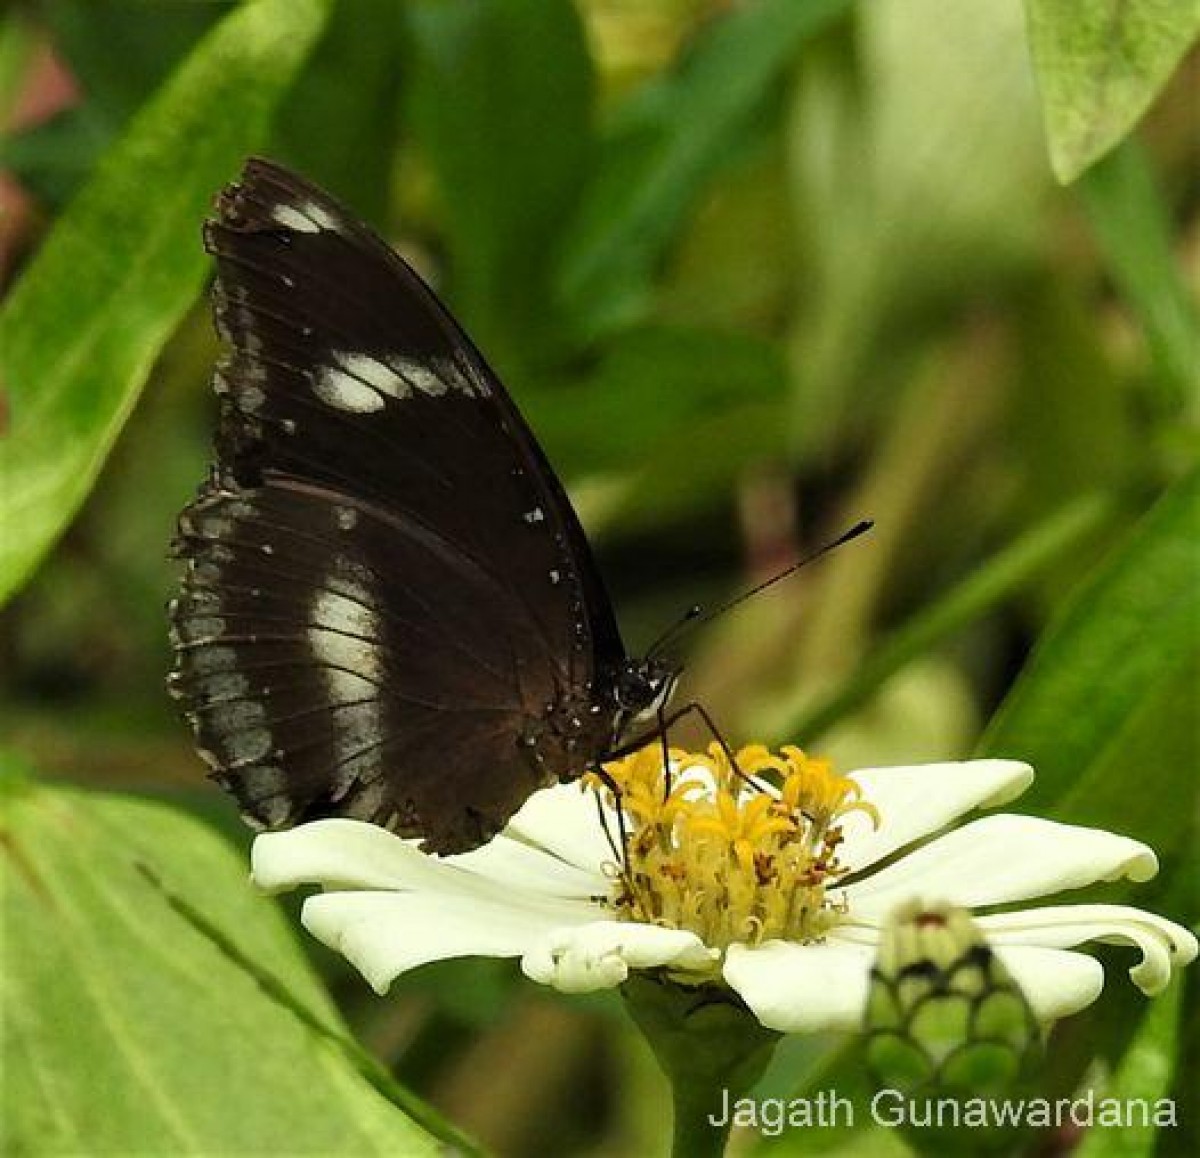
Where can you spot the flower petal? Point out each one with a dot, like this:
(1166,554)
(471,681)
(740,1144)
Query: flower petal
(384,934)
(802,988)
(1055,982)
(524,866)
(1163,943)
(565,822)
(599,955)
(1001,859)
(920,799)
(341,854)
(808,988)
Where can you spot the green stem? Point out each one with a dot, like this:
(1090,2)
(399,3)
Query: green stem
(693,1134)
(712,1050)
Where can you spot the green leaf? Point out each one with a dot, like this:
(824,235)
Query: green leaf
(670,378)
(1134,229)
(663,149)
(1120,645)
(153,40)
(1100,64)
(1146,1072)
(54,158)
(500,99)
(81,330)
(1157,740)
(153,1003)
(340,135)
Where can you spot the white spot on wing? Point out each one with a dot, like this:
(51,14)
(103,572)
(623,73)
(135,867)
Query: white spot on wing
(428,379)
(345,636)
(340,613)
(373,372)
(199,629)
(252,400)
(271,793)
(291,218)
(306,218)
(248,747)
(344,391)
(393,375)
(242,714)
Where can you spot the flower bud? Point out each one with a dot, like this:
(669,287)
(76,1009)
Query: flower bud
(943,1013)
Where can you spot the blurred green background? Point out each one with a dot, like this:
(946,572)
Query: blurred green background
(753,271)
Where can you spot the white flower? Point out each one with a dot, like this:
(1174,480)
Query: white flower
(781,893)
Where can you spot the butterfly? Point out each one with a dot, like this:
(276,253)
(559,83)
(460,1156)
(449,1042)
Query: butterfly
(389,610)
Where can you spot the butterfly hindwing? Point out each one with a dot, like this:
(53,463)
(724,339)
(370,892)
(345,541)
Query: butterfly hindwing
(385,583)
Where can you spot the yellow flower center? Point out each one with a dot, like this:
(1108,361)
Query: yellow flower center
(730,861)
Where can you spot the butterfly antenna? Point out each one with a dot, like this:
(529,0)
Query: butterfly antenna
(847,536)
(694,615)
(693,612)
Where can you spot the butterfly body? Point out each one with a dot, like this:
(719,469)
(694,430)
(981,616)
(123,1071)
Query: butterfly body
(390,610)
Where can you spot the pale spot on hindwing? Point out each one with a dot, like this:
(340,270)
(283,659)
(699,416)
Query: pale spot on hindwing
(344,633)
(345,638)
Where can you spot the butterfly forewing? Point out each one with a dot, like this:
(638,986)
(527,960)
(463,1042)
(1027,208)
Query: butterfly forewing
(386,586)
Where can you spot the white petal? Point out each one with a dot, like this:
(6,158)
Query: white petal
(564,821)
(807,988)
(523,866)
(341,854)
(1001,859)
(384,934)
(600,955)
(802,988)
(1163,943)
(920,799)
(1056,983)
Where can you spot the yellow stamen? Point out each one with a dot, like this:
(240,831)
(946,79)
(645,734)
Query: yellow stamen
(733,863)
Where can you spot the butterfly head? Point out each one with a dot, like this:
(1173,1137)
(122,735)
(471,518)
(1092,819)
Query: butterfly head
(642,689)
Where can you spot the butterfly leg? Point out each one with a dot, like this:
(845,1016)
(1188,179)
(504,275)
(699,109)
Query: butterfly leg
(621,852)
(700,710)
(663,725)
(665,722)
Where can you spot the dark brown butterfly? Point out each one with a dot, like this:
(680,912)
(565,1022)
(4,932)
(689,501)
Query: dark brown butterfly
(390,610)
